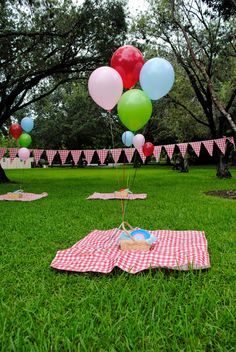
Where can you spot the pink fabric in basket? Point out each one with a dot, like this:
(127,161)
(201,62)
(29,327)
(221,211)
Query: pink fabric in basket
(27,197)
(99,252)
(106,196)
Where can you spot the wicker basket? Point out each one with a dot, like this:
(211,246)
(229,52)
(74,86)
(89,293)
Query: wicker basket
(15,195)
(132,244)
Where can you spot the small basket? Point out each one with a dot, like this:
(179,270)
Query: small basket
(14,195)
(122,194)
(132,244)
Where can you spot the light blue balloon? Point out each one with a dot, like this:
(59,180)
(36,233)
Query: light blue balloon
(156,78)
(127,138)
(27,124)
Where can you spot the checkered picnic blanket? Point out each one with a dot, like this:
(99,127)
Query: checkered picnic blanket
(26,197)
(106,196)
(100,252)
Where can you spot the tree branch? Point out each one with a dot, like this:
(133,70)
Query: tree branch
(202,69)
(41,96)
(231,100)
(189,111)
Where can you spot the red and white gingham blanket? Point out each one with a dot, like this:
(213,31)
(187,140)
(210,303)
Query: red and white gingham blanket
(99,252)
(26,197)
(106,196)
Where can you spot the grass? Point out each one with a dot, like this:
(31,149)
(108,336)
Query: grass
(44,310)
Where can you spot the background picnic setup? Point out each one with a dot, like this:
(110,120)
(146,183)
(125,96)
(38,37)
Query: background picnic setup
(116,252)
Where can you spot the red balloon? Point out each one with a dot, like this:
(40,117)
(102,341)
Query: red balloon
(148,149)
(128,61)
(15,130)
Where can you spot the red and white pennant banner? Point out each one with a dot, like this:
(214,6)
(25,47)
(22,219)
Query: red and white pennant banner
(196,147)
(183,148)
(129,152)
(221,144)
(102,154)
(169,149)
(63,155)
(231,140)
(88,155)
(209,146)
(76,155)
(2,152)
(142,156)
(157,152)
(116,154)
(50,155)
(37,154)
(12,152)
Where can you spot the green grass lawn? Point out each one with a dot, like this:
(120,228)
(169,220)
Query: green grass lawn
(45,310)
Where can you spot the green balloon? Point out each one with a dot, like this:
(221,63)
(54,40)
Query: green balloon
(134,109)
(25,140)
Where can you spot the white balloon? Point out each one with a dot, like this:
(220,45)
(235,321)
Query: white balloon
(138,141)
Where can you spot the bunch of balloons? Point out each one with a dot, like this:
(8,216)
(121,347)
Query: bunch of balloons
(138,141)
(134,107)
(21,134)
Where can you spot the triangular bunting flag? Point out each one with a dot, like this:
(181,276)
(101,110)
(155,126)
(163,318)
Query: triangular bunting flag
(209,146)
(89,155)
(169,149)
(76,155)
(37,155)
(50,155)
(2,152)
(221,144)
(116,154)
(183,148)
(63,155)
(196,147)
(231,140)
(102,154)
(157,152)
(142,156)
(129,152)
(13,152)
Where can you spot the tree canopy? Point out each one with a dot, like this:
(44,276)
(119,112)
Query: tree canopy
(68,118)
(44,44)
(200,39)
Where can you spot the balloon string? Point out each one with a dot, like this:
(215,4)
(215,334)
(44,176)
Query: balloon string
(112,142)
(117,175)
(130,183)
(111,130)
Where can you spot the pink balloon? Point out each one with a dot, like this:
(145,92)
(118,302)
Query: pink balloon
(138,141)
(105,86)
(23,154)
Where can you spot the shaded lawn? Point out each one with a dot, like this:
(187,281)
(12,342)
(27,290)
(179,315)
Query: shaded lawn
(45,310)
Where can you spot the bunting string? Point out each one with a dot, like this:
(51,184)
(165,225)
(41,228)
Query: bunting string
(209,145)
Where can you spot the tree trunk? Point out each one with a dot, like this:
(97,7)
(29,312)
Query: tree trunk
(184,165)
(222,167)
(3,176)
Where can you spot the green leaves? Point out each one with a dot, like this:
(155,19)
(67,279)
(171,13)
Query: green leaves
(53,42)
